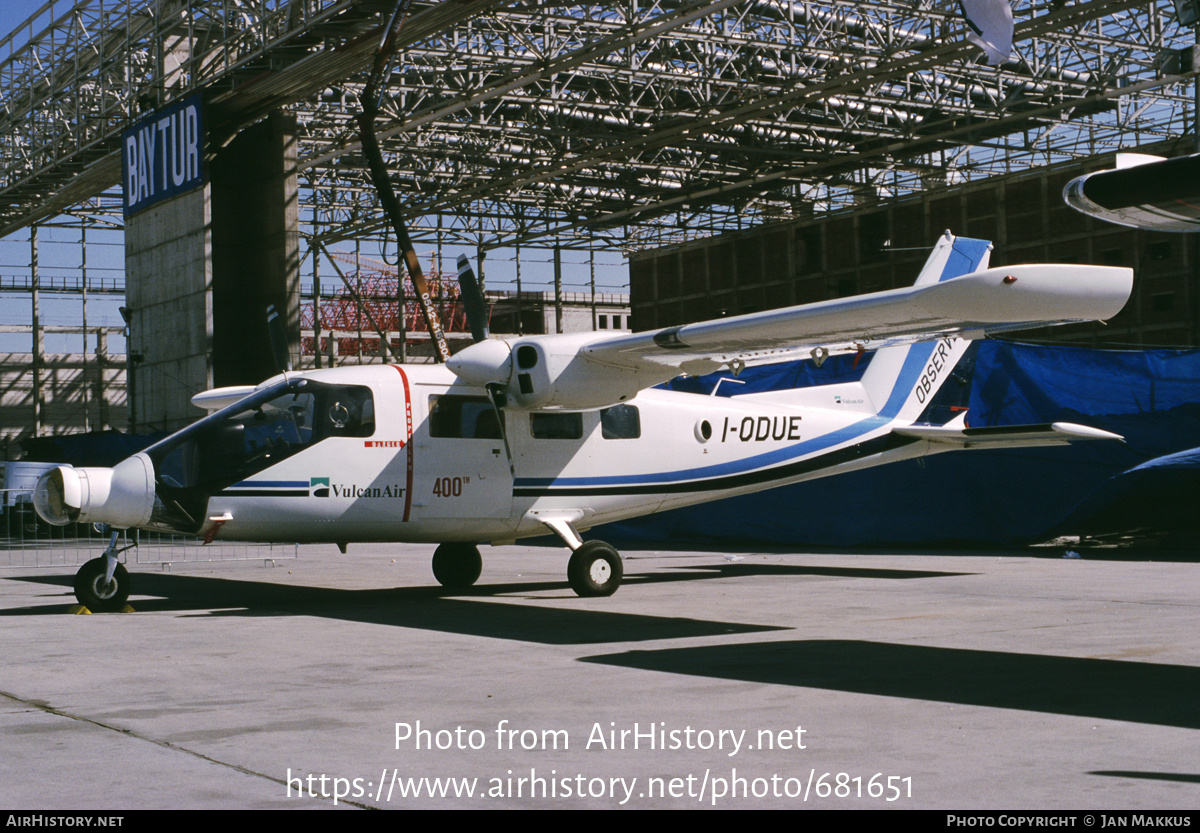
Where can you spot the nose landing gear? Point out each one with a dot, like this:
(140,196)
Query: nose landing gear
(102,584)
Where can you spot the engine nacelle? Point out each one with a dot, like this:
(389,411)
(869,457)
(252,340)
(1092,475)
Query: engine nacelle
(552,374)
(545,372)
(122,496)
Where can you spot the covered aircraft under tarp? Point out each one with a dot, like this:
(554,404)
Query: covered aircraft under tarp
(997,498)
(1158,496)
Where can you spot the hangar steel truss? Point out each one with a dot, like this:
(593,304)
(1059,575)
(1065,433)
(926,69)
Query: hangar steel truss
(616,125)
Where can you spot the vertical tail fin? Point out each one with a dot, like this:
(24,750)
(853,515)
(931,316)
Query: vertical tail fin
(953,256)
(901,380)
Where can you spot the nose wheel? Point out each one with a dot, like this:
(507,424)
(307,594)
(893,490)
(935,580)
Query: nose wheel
(102,584)
(98,592)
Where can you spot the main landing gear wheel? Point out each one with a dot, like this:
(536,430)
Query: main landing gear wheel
(457,565)
(595,569)
(97,595)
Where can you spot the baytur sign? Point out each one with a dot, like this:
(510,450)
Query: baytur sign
(163,155)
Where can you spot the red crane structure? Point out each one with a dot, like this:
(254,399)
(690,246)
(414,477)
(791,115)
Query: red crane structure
(368,305)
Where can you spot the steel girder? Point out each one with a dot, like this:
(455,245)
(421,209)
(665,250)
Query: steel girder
(622,124)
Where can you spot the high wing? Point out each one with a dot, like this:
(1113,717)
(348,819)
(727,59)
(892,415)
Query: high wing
(979,303)
(591,370)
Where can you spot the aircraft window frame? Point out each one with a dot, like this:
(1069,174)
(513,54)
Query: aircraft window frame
(449,412)
(319,426)
(249,436)
(621,422)
(556,425)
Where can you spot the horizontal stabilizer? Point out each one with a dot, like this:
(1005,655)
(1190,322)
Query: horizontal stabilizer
(1007,436)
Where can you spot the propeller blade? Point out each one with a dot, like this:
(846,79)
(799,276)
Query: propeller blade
(473,301)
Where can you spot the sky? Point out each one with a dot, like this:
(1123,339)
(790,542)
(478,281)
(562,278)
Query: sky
(15,12)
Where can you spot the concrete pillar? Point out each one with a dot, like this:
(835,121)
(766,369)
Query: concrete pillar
(168,268)
(100,367)
(202,267)
(39,347)
(256,249)
(558,290)
(316,270)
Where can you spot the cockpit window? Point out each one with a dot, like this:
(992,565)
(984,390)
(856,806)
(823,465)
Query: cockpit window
(251,435)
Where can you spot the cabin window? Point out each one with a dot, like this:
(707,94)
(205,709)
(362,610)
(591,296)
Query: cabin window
(620,422)
(463,418)
(556,425)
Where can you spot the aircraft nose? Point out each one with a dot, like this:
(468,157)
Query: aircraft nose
(122,496)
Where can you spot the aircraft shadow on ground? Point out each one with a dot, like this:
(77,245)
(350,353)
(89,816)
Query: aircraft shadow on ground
(432,608)
(1179,777)
(423,608)
(750,569)
(1138,692)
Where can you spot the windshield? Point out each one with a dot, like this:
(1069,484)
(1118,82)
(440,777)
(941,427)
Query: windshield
(247,437)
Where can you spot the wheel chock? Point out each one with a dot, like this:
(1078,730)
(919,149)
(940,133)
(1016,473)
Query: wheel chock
(81,610)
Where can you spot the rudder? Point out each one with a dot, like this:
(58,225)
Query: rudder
(901,380)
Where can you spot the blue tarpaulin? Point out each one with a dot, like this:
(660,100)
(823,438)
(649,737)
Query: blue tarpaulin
(985,498)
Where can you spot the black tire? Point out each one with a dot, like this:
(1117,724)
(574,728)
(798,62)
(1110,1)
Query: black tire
(595,569)
(92,592)
(457,565)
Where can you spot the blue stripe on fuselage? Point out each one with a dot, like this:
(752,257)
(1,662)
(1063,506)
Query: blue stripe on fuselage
(965,256)
(910,371)
(270,484)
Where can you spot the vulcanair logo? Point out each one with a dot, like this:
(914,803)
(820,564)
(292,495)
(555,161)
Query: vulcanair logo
(318,487)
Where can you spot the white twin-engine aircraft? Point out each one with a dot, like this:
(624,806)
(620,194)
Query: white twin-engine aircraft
(520,435)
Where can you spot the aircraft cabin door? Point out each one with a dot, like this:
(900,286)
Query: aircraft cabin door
(460,468)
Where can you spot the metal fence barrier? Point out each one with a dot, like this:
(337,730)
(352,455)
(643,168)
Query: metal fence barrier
(28,541)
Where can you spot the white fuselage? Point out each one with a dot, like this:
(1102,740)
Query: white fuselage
(411,481)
